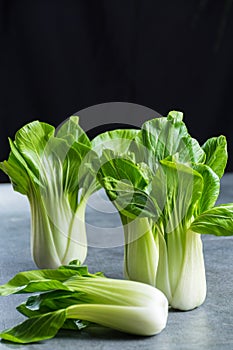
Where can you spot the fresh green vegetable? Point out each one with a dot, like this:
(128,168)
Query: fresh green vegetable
(165,185)
(72,298)
(52,170)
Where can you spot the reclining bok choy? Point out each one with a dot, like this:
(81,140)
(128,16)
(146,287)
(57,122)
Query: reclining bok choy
(72,298)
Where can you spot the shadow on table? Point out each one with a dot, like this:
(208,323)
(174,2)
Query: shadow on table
(96,332)
(91,333)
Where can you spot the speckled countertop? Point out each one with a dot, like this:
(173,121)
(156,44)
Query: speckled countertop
(208,327)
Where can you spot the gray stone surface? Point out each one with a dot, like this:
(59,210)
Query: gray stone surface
(208,327)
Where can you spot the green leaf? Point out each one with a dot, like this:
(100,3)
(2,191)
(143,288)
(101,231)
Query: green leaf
(36,328)
(41,280)
(141,154)
(32,286)
(125,183)
(190,151)
(31,141)
(217,221)
(17,169)
(176,188)
(130,201)
(216,154)
(54,300)
(163,135)
(211,187)
(55,163)
(175,116)
(73,166)
(51,301)
(17,174)
(77,266)
(22,308)
(71,131)
(122,169)
(118,141)
(87,172)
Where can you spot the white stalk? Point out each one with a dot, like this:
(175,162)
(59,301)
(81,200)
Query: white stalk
(57,234)
(141,252)
(190,291)
(126,306)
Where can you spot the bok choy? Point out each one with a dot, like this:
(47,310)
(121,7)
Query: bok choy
(51,169)
(72,298)
(165,185)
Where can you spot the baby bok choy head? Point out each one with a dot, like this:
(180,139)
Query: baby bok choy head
(73,298)
(51,169)
(165,185)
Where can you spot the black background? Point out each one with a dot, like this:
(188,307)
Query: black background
(58,57)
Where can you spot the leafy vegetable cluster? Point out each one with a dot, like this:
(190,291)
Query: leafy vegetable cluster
(164,185)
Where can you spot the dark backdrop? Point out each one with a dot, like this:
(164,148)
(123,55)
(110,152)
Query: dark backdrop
(58,57)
